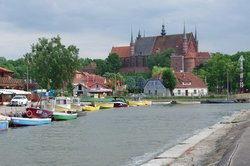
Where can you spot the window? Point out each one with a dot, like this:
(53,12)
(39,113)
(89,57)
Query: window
(149,92)
(195,91)
(155,92)
(186,83)
(179,92)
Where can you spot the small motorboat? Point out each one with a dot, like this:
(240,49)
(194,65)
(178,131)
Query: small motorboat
(91,108)
(64,115)
(104,105)
(4,125)
(19,121)
(36,112)
(119,102)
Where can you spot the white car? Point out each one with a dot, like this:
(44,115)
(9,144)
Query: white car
(19,100)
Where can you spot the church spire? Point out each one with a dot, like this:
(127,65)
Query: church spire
(195,34)
(131,40)
(163,32)
(184,32)
(139,34)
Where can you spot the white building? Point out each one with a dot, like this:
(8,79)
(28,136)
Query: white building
(189,85)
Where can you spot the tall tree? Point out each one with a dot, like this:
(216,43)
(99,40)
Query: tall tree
(114,62)
(53,64)
(169,79)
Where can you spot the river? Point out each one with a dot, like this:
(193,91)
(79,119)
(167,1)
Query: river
(125,136)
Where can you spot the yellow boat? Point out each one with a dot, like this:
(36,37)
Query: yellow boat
(61,109)
(147,102)
(136,103)
(90,108)
(104,105)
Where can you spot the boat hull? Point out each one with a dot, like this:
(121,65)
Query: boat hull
(91,108)
(104,105)
(120,105)
(4,125)
(17,121)
(136,103)
(38,113)
(64,116)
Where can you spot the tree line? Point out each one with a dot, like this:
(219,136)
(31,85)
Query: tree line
(52,65)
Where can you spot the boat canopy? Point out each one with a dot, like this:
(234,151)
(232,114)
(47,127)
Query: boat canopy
(14,91)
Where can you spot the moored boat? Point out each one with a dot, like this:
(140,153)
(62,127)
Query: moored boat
(4,124)
(218,102)
(147,102)
(119,102)
(64,116)
(35,112)
(19,121)
(136,103)
(91,108)
(104,105)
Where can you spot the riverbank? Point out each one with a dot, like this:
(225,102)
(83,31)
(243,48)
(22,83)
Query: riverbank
(210,147)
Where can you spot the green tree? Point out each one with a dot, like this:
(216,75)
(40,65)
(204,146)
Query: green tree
(84,62)
(114,62)
(161,59)
(169,79)
(158,70)
(101,66)
(110,65)
(53,64)
(216,72)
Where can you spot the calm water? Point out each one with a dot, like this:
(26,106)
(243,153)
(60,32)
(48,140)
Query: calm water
(127,136)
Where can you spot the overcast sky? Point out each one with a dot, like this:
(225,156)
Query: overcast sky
(94,26)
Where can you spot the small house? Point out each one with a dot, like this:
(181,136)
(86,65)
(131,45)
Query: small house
(154,87)
(189,85)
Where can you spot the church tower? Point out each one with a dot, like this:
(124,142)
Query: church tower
(132,44)
(184,44)
(196,39)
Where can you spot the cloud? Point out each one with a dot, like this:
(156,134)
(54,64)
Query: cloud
(95,26)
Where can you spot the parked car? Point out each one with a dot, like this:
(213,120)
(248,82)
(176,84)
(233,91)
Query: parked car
(19,100)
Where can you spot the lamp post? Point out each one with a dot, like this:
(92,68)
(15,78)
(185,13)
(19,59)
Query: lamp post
(27,82)
(241,59)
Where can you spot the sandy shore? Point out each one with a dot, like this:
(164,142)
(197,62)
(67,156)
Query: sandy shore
(212,146)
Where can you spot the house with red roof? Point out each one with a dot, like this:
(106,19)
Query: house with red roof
(189,85)
(7,82)
(86,84)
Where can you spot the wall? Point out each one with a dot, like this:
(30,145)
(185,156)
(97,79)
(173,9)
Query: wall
(199,91)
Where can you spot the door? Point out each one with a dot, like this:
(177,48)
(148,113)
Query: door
(186,92)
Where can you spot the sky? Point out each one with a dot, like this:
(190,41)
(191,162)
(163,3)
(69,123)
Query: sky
(94,26)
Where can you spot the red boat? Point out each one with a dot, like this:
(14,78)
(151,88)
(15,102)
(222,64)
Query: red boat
(119,102)
(35,112)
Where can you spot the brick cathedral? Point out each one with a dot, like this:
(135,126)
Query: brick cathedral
(186,56)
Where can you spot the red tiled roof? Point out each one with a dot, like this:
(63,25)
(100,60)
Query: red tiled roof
(6,70)
(204,55)
(196,82)
(163,43)
(122,51)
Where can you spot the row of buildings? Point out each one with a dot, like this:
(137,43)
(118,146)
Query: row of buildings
(134,56)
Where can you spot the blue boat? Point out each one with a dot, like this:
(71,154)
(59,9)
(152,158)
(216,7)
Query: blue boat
(4,125)
(17,121)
